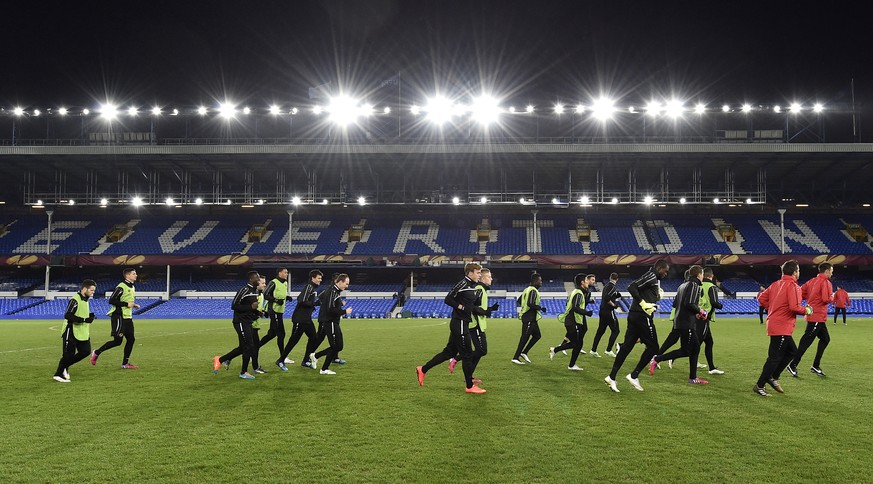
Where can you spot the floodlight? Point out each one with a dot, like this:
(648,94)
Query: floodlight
(512,109)
(748,201)
(156,111)
(169,201)
(39,202)
(36,112)
(261,201)
(324,201)
(603,108)
(631,109)
(725,109)
(295,200)
(777,109)
(362,200)
(439,110)
(72,202)
(584,199)
(795,108)
(104,202)
(247,110)
(136,201)
(648,200)
(817,108)
(227,202)
(700,108)
(521,200)
(62,111)
(559,108)
(317,110)
(485,109)
(674,108)
(294,110)
(715,200)
(614,200)
(387,110)
(415,110)
(227,110)
(86,111)
(529,109)
(132,111)
(456,200)
(108,111)
(175,112)
(343,110)
(483,200)
(555,201)
(682,200)
(202,110)
(653,108)
(198,201)
(747,108)
(274,110)
(18,111)
(580,109)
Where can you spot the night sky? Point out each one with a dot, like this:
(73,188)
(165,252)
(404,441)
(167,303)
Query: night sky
(80,53)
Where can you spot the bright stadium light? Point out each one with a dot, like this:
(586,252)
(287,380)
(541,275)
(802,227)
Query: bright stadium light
(132,111)
(175,112)
(108,111)
(584,200)
(317,110)
(555,201)
(227,202)
(415,110)
(674,108)
(227,110)
(247,110)
(631,109)
(747,108)
(614,200)
(136,201)
(18,111)
(156,111)
(362,200)
(521,200)
(511,109)
(39,202)
(748,201)
(795,108)
(580,109)
(483,200)
(169,201)
(387,110)
(294,110)
(260,201)
(559,108)
(817,108)
(36,112)
(529,109)
(274,110)
(344,110)
(456,201)
(104,202)
(700,108)
(648,200)
(716,200)
(295,201)
(198,201)
(366,109)
(72,202)
(603,108)
(62,111)
(485,109)
(439,110)
(653,108)
(202,110)
(777,109)
(324,201)
(86,111)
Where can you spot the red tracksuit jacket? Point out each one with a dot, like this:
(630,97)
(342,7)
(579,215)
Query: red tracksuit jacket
(818,293)
(782,300)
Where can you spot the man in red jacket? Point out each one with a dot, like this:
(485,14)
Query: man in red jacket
(818,293)
(782,300)
(841,302)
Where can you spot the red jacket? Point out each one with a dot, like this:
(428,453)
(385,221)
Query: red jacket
(782,300)
(818,293)
(841,299)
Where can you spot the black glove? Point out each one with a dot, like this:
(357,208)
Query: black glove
(90,318)
(494,307)
(589,312)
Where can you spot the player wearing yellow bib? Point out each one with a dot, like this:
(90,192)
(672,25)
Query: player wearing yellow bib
(575,319)
(531,312)
(76,335)
(123,303)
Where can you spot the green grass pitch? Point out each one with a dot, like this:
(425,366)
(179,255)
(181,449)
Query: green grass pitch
(173,420)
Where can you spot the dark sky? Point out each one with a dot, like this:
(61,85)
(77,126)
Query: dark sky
(188,52)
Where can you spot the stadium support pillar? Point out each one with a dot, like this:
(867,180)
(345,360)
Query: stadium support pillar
(782,229)
(167,295)
(48,251)
(290,231)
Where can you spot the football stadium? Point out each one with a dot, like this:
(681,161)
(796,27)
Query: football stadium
(299,290)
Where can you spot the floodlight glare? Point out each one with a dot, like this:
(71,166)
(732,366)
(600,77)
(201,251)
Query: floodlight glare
(198,201)
(456,200)
(62,111)
(529,109)
(108,111)
(415,110)
(72,202)
(136,201)
(777,109)
(795,108)
(631,109)
(521,200)
(104,202)
(674,108)
(817,108)
(512,109)
(228,202)
(39,202)
(580,109)
(559,108)
(439,110)
(36,112)
(653,108)
(317,110)
(614,200)
(295,200)
(748,201)
(86,111)
(555,201)
(726,109)
(700,108)
(175,112)
(715,200)
(584,199)
(294,110)
(169,201)
(682,200)
(344,110)
(132,111)
(18,111)
(747,108)
(366,109)
(648,200)
(261,201)
(362,201)
(227,110)
(274,110)
(156,111)
(485,109)
(202,110)
(324,201)
(603,108)
(483,200)
(387,110)
(247,110)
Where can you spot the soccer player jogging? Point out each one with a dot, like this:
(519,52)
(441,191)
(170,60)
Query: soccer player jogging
(245,312)
(256,326)
(688,312)
(575,320)
(481,312)
(329,323)
(608,320)
(123,303)
(761,309)
(645,291)
(818,293)
(782,300)
(77,334)
(841,302)
(708,302)
(462,299)
(531,312)
(301,320)
(276,294)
